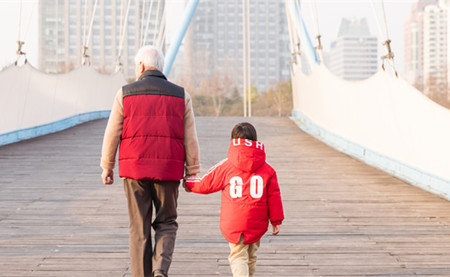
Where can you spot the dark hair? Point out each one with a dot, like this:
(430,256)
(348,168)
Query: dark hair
(244,130)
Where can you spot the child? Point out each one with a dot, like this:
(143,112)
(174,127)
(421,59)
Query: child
(250,197)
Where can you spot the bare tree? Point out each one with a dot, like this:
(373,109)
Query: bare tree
(276,101)
(437,91)
(217,89)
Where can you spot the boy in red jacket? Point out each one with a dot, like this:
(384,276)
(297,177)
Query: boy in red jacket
(250,197)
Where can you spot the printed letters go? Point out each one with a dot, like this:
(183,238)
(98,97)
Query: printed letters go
(256,187)
(236,187)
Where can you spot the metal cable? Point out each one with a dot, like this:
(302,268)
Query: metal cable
(385,20)
(91,24)
(162,29)
(156,22)
(249,64)
(244,50)
(85,20)
(141,34)
(20,21)
(380,32)
(148,22)
(125,23)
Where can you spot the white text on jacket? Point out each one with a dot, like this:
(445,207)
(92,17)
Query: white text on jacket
(256,186)
(248,143)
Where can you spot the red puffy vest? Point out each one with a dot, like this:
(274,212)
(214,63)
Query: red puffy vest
(250,192)
(151,146)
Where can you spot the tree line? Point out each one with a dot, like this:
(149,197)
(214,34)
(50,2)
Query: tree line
(219,96)
(436,89)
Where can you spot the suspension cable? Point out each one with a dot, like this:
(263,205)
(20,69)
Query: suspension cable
(315,14)
(125,23)
(85,20)
(163,37)
(296,39)
(385,20)
(92,23)
(162,29)
(389,55)
(85,56)
(121,17)
(291,35)
(141,34)
(387,43)
(156,22)
(249,64)
(244,57)
(118,62)
(20,43)
(20,20)
(380,33)
(29,20)
(148,22)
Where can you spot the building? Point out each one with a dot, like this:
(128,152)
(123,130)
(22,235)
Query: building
(427,62)
(214,43)
(354,54)
(414,43)
(64,28)
(435,49)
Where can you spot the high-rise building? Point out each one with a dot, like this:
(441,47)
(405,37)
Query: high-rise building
(64,27)
(214,43)
(414,43)
(353,55)
(435,49)
(427,61)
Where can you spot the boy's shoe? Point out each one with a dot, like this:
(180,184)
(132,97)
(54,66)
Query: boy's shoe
(159,273)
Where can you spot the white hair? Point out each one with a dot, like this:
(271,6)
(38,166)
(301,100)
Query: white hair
(150,56)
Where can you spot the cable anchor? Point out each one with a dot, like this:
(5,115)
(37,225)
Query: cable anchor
(85,57)
(296,54)
(389,56)
(319,43)
(118,64)
(20,53)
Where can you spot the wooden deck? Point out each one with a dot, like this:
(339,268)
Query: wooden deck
(343,218)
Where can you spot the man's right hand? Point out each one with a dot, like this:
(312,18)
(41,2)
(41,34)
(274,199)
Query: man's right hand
(108,176)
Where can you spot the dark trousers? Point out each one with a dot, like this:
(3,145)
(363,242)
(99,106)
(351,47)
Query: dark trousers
(141,197)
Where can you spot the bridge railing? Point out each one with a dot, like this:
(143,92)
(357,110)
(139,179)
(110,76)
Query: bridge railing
(383,121)
(34,103)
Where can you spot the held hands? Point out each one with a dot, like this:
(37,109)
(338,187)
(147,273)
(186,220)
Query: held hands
(184,185)
(108,176)
(184,182)
(276,229)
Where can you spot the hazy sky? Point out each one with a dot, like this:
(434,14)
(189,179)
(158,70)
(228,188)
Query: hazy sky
(330,13)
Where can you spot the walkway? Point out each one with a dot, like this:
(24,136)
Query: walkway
(343,218)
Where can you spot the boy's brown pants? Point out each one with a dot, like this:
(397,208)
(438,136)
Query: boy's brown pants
(141,197)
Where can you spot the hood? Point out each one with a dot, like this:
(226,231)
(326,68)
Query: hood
(247,155)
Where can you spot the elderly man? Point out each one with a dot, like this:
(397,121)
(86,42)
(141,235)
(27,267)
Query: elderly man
(153,120)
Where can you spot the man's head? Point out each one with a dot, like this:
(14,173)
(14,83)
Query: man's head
(148,58)
(244,130)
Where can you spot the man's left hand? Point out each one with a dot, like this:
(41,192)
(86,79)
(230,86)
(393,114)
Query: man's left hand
(184,185)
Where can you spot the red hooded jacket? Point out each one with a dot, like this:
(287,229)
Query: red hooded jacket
(250,192)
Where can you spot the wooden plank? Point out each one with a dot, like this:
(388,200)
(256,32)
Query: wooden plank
(343,218)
